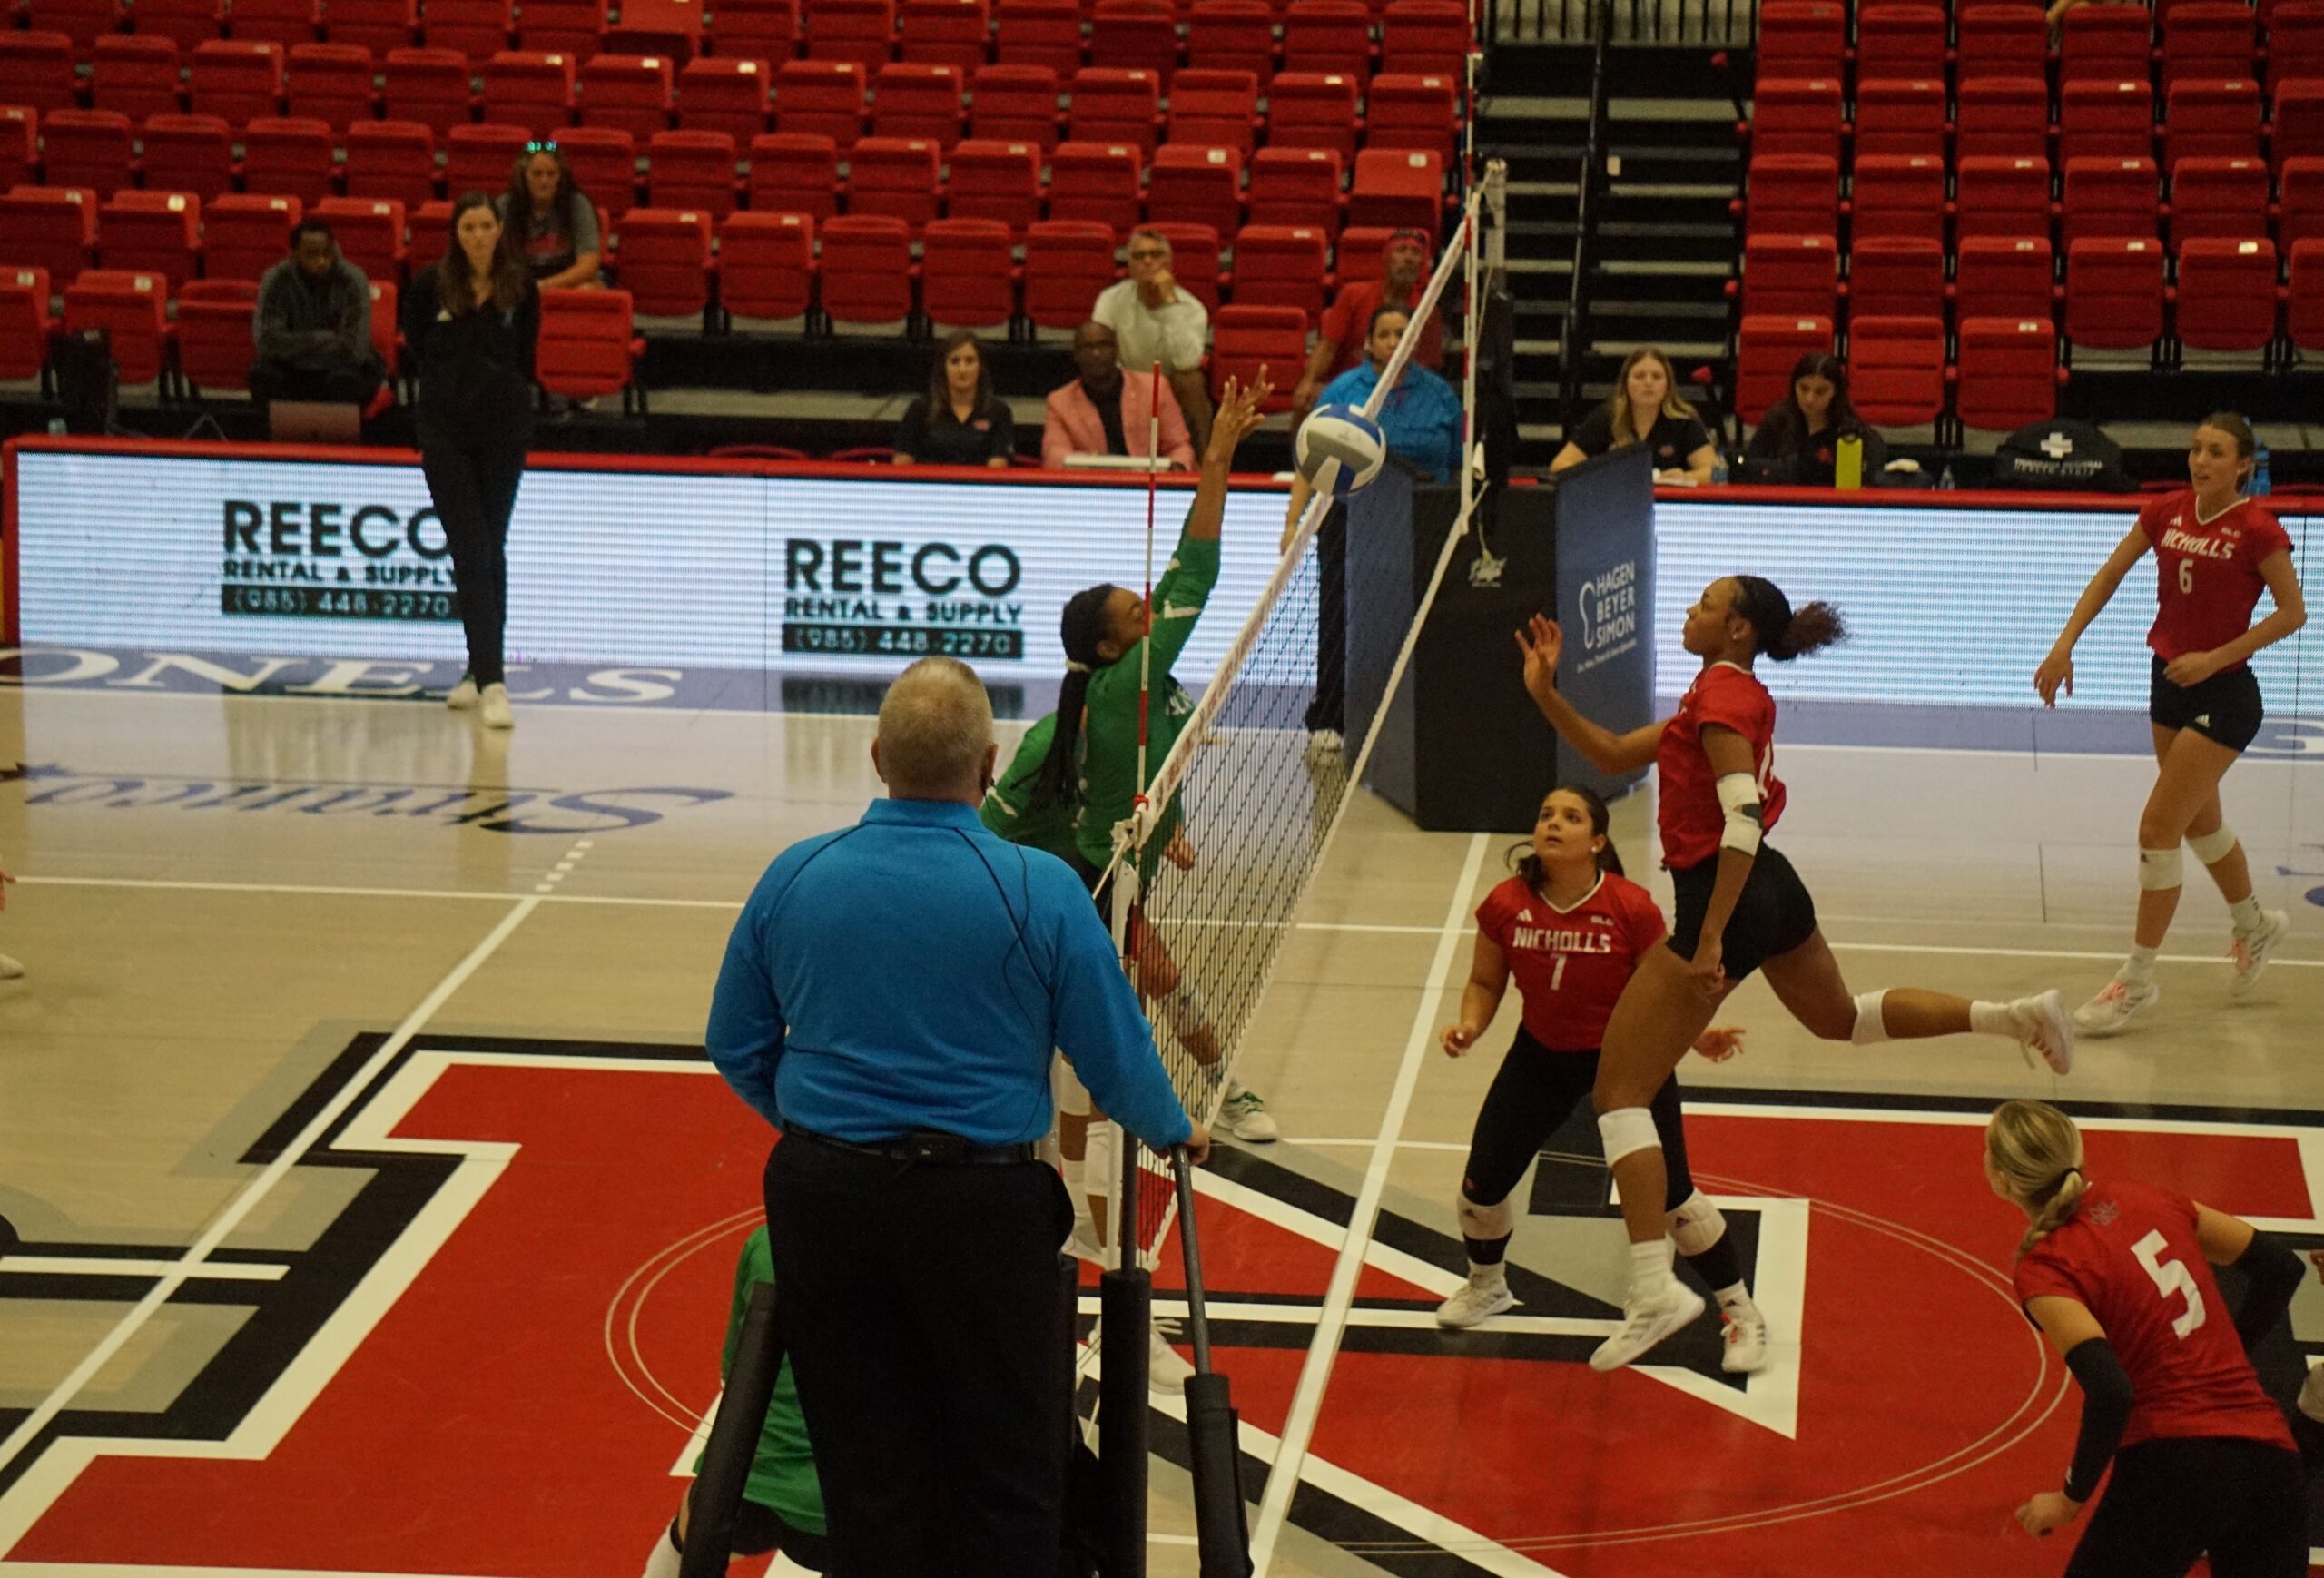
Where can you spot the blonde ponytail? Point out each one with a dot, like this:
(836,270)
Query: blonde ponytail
(2033,1152)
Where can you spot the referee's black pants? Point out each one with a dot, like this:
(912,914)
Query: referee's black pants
(1328,709)
(930,1331)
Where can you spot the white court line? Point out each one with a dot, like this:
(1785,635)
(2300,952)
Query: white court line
(98,1266)
(258,1188)
(1308,1400)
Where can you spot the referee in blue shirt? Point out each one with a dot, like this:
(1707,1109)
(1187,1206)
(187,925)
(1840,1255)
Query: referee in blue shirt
(890,1000)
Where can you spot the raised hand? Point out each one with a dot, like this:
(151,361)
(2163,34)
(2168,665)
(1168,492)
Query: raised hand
(1240,411)
(1542,642)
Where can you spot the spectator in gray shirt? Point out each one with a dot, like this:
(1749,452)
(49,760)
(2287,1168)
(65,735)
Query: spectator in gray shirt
(1156,320)
(312,329)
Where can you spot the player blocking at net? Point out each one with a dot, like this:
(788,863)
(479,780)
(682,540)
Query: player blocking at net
(1741,907)
(1572,929)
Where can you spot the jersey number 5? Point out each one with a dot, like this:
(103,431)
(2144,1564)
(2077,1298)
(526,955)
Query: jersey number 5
(2169,1277)
(2187,576)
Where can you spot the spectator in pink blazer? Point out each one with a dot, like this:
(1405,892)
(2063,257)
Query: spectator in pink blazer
(1105,412)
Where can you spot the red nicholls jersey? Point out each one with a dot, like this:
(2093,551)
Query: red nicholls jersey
(1691,816)
(2207,573)
(1570,965)
(2128,1255)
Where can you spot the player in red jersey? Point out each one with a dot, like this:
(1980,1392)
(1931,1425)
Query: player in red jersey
(1740,908)
(1569,928)
(2214,550)
(2118,1276)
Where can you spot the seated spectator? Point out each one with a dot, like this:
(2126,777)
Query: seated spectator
(959,421)
(1153,321)
(556,226)
(1798,443)
(1106,412)
(1347,322)
(1676,439)
(312,329)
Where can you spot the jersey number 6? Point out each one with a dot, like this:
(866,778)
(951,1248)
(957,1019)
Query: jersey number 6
(2169,1277)
(2187,576)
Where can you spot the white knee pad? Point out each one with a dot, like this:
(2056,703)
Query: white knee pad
(1870,1027)
(1066,1090)
(1486,1222)
(2161,868)
(1696,1224)
(1627,1129)
(1097,1162)
(2213,847)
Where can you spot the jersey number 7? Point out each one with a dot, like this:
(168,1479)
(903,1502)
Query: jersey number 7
(2169,1277)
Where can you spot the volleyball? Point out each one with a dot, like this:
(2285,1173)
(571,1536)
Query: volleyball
(1345,434)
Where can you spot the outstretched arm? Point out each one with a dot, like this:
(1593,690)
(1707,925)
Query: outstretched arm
(1542,642)
(1238,412)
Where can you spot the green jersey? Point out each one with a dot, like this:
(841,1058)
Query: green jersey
(1110,786)
(783,1473)
(1009,809)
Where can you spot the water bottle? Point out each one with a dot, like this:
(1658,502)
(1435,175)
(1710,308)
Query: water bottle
(1847,462)
(1944,482)
(1718,468)
(2259,484)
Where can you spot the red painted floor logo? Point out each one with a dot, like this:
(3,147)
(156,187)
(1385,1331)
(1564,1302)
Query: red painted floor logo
(492,1361)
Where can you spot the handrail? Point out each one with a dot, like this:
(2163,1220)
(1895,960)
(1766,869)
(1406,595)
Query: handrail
(1575,337)
(1712,25)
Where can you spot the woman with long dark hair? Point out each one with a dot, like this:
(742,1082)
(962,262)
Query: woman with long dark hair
(553,223)
(1741,907)
(2215,552)
(1570,929)
(959,421)
(472,323)
(1797,442)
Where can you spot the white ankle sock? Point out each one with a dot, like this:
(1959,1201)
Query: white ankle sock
(1736,1300)
(663,1562)
(1493,1276)
(1993,1019)
(1650,1265)
(2245,913)
(2138,968)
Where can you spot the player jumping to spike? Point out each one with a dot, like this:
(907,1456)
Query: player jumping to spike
(1740,908)
(1570,927)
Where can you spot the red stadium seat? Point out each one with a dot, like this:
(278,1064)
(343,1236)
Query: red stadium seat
(287,22)
(2114,292)
(1135,36)
(377,25)
(2011,40)
(1014,103)
(719,94)
(2207,38)
(765,30)
(2218,197)
(1902,41)
(766,266)
(667,27)
(36,71)
(920,99)
(664,260)
(1282,266)
(393,159)
(2227,294)
(184,22)
(1796,115)
(1215,109)
(2105,119)
(574,29)
(235,81)
(2004,117)
(2295,41)
(1766,351)
(131,308)
(795,172)
(1234,36)
(1802,38)
(603,161)
(1426,38)
(1195,261)
(481,159)
(1790,276)
(692,170)
(152,232)
(996,181)
(245,234)
(588,347)
(215,333)
(187,153)
(50,228)
(2296,131)
(1111,105)
(1189,185)
(1894,277)
(94,150)
(1307,109)
(1397,187)
(2005,277)
(2304,312)
(954,33)
(477,29)
(895,177)
(135,75)
(82,21)
(2105,43)
(330,82)
(430,86)
(1417,112)
(866,273)
(2208,118)
(861,31)
(531,91)
(2302,215)
(967,276)
(1246,339)
(1900,116)
(632,91)
(2008,375)
(26,329)
(1896,196)
(2002,197)
(19,134)
(2109,197)
(369,231)
(822,97)
(1897,368)
(294,157)
(1295,186)
(1044,33)
(1096,181)
(431,234)
(1328,36)
(1067,263)
(1792,194)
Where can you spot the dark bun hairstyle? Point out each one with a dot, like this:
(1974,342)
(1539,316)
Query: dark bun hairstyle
(1779,630)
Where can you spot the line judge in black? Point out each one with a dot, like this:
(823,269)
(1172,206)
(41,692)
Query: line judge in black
(889,1000)
(472,323)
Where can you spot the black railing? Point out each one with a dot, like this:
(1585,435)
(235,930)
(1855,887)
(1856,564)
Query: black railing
(1710,24)
(1590,191)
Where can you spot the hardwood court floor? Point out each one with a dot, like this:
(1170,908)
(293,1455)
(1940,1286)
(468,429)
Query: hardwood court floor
(346,1119)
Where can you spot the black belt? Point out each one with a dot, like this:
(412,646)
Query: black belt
(924,1145)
